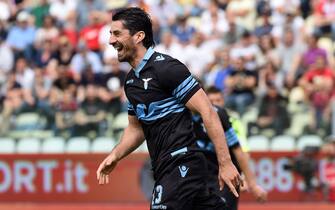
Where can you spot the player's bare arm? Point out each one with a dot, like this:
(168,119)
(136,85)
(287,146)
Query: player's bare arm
(243,159)
(132,138)
(228,173)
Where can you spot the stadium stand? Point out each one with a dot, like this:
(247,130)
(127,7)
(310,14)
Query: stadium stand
(7,146)
(103,145)
(53,145)
(282,143)
(78,145)
(44,87)
(258,143)
(28,145)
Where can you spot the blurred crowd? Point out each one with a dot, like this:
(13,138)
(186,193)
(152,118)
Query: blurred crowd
(273,58)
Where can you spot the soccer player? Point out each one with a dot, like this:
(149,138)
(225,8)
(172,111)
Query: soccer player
(239,158)
(161,92)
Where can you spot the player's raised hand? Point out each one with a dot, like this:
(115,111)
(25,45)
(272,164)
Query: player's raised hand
(259,193)
(229,175)
(105,168)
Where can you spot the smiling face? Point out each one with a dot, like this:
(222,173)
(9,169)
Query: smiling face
(122,41)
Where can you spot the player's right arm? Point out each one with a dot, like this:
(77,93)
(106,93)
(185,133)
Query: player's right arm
(132,138)
(243,160)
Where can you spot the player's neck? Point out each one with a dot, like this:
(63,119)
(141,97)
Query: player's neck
(139,54)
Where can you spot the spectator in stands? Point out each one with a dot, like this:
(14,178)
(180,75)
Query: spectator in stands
(91,115)
(213,21)
(83,59)
(11,99)
(3,29)
(64,80)
(293,22)
(279,7)
(85,7)
(234,33)
(6,61)
(62,10)
(111,90)
(219,69)
(198,54)
(182,30)
(43,55)
(21,36)
(248,49)
(5,10)
(90,33)
(40,11)
(268,74)
(325,17)
(66,109)
(318,83)
(45,98)
(69,30)
(244,11)
(64,52)
(170,45)
(48,31)
(165,12)
(24,74)
(240,84)
(273,112)
(211,32)
(304,63)
(267,50)
(265,26)
(288,51)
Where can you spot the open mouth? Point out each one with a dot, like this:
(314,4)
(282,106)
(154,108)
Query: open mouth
(118,47)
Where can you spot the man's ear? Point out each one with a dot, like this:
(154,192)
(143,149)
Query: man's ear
(139,36)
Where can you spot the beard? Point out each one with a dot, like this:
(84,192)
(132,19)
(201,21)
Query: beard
(126,52)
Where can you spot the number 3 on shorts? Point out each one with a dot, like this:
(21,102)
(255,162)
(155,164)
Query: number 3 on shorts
(157,195)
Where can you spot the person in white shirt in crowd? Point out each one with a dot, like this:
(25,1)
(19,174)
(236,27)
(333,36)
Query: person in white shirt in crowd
(84,58)
(6,61)
(244,11)
(62,9)
(213,21)
(199,54)
(248,49)
(169,45)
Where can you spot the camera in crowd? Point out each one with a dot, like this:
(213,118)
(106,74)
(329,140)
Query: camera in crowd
(305,164)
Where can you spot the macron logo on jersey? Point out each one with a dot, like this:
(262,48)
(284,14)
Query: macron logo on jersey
(159,58)
(146,82)
(183,170)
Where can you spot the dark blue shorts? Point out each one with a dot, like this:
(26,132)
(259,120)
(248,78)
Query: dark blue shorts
(183,185)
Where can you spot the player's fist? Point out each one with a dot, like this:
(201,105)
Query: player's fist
(259,193)
(105,168)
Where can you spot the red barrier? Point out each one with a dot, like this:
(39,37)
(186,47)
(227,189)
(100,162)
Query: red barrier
(67,178)
(72,178)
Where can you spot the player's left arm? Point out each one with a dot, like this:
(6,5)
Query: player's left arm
(175,78)
(227,171)
(243,160)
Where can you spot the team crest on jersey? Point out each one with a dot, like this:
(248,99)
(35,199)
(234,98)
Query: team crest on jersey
(146,82)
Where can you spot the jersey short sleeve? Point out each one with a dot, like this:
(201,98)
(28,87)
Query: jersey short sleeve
(230,134)
(177,79)
(131,110)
